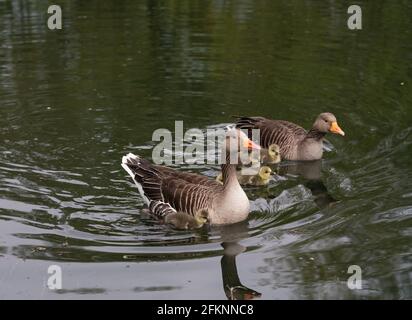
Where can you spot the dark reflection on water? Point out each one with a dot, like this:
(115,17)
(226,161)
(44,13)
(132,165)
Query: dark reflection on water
(311,173)
(74,101)
(232,285)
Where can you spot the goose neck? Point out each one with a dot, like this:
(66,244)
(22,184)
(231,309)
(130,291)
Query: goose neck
(315,134)
(229,175)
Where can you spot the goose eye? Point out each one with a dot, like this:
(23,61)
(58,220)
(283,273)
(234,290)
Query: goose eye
(326,121)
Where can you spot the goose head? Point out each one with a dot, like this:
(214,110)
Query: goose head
(201,218)
(236,142)
(274,153)
(326,122)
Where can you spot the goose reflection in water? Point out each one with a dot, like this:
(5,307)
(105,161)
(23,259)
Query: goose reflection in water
(311,171)
(233,288)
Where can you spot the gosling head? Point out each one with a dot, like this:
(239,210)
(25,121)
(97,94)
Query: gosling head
(201,218)
(178,220)
(265,172)
(274,153)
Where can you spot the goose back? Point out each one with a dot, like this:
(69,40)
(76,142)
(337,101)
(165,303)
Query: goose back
(287,135)
(186,176)
(295,142)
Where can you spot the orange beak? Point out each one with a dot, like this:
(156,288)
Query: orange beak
(336,129)
(251,145)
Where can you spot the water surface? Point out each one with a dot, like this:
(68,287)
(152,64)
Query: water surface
(74,101)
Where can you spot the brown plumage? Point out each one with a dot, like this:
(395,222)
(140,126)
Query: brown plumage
(187,176)
(182,192)
(295,142)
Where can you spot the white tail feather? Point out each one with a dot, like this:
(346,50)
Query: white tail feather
(131,156)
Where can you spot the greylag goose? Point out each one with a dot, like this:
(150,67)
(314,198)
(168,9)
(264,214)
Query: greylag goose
(295,142)
(167,191)
(262,178)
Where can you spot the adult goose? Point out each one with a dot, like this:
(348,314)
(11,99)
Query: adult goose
(169,192)
(295,142)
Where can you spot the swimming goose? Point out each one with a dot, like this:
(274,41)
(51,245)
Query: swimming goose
(295,142)
(187,192)
(262,178)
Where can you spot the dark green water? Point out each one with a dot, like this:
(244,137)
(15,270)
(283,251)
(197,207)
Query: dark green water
(74,101)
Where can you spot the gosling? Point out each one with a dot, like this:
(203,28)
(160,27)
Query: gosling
(183,221)
(262,178)
(270,155)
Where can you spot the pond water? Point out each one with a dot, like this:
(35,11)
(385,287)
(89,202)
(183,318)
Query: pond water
(74,101)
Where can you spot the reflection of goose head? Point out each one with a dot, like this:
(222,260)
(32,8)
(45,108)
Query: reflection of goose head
(232,286)
(274,153)
(230,236)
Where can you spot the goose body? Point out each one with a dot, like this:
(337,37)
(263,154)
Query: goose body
(295,143)
(167,191)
